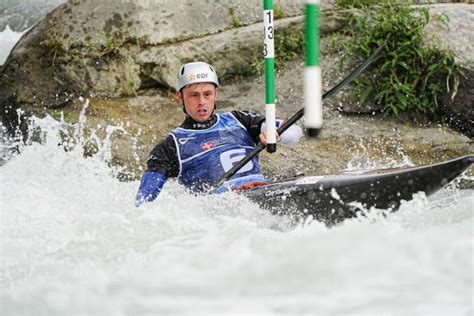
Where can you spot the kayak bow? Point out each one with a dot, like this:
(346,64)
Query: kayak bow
(333,198)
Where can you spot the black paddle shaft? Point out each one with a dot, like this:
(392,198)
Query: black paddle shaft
(292,120)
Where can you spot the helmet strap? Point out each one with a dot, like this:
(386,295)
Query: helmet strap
(182,98)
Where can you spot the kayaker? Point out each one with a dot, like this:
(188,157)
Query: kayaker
(207,144)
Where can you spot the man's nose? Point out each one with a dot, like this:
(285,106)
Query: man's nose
(201,99)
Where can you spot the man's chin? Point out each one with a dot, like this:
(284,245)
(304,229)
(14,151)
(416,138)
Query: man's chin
(202,118)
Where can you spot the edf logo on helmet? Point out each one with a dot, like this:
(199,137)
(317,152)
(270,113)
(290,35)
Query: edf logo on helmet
(230,157)
(198,76)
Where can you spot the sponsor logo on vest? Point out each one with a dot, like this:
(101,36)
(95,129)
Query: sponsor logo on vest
(207,145)
(184,140)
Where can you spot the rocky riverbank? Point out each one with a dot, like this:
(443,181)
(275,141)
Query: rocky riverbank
(125,63)
(361,141)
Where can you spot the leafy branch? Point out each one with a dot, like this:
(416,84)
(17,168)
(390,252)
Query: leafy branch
(410,75)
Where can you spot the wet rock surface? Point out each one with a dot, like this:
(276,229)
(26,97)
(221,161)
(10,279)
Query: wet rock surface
(129,87)
(458,37)
(346,141)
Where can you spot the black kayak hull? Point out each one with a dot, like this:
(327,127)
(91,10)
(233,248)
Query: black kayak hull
(333,198)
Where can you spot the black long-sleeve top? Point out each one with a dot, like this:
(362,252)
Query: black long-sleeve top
(164,157)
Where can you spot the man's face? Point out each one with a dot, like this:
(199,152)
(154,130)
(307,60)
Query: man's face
(199,100)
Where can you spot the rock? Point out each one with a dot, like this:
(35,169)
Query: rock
(146,114)
(226,51)
(458,107)
(457,36)
(113,49)
(360,141)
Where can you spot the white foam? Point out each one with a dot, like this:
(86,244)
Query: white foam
(8,38)
(73,243)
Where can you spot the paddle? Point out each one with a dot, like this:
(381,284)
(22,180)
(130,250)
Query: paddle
(355,73)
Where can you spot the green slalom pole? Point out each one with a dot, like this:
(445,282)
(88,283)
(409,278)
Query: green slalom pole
(313,110)
(269,57)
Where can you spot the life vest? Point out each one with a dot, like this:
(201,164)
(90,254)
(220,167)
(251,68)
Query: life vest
(206,155)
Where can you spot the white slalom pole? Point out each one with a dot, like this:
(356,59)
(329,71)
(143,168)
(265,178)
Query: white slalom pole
(313,110)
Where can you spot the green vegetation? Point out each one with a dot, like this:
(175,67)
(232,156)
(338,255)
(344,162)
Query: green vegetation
(235,19)
(55,49)
(356,3)
(288,45)
(278,12)
(111,44)
(410,75)
(108,46)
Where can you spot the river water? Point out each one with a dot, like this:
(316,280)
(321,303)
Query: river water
(73,243)
(16,17)
(8,38)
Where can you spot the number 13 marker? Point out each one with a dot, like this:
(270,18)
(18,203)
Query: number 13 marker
(269,57)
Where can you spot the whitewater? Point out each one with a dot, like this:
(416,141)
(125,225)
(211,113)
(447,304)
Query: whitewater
(8,39)
(73,243)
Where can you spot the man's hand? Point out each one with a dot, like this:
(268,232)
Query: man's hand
(263,138)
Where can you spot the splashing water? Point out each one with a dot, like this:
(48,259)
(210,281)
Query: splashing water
(73,243)
(8,38)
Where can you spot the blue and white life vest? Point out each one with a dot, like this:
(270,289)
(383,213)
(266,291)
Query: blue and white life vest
(206,155)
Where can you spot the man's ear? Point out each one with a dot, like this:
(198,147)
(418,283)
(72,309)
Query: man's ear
(179,97)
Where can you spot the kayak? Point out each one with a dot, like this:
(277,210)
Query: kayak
(333,198)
